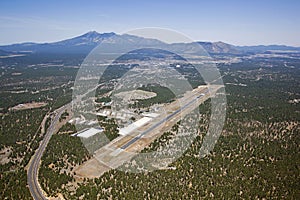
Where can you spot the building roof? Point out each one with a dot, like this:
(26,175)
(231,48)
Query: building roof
(128,129)
(89,132)
(152,115)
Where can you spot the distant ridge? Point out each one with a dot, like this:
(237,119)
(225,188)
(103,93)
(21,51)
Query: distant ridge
(83,44)
(219,47)
(5,53)
(264,48)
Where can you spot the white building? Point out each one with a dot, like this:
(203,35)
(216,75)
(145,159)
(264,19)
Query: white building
(134,125)
(88,132)
(151,115)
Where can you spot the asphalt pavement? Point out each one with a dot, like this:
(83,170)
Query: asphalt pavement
(33,169)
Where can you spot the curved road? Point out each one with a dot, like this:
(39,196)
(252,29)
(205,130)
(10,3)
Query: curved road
(32,173)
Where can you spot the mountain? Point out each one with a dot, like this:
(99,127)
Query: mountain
(83,44)
(91,38)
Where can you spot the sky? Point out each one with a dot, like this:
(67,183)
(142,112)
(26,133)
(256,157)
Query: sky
(237,22)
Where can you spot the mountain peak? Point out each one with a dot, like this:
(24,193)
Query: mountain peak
(90,38)
(94,34)
(91,32)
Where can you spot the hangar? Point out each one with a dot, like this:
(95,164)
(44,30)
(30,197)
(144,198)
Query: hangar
(86,133)
(139,123)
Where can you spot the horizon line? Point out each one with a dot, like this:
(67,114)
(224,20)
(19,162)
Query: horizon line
(94,31)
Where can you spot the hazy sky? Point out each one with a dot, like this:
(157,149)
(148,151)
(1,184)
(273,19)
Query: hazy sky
(240,22)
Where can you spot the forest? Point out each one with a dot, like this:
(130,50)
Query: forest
(256,157)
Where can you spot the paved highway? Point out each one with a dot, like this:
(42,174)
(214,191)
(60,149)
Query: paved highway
(154,126)
(32,173)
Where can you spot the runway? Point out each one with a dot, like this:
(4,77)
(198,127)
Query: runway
(124,148)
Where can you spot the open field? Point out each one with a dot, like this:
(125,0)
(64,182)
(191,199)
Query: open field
(135,94)
(25,106)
